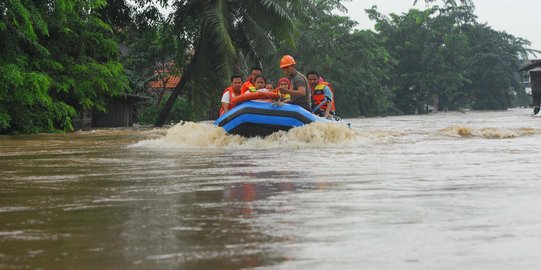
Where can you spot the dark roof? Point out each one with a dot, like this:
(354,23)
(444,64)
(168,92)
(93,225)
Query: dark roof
(530,64)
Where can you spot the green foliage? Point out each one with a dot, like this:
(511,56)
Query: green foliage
(493,59)
(60,58)
(5,119)
(152,46)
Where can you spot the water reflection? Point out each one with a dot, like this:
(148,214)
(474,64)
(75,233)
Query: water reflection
(206,229)
(247,193)
(211,228)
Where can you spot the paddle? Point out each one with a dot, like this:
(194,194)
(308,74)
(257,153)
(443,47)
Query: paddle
(319,106)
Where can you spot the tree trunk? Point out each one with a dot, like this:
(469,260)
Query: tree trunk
(164,112)
(186,76)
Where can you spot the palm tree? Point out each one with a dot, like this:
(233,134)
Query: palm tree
(224,35)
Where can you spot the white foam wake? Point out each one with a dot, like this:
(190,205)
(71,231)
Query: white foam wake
(204,135)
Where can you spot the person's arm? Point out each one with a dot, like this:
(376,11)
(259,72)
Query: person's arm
(328,110)
(225,106)
(299,92)
(329,96)
(225,101)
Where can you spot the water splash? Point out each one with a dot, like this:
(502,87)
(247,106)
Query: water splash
(487,133)
(315,134)
(457,131)
(191,135)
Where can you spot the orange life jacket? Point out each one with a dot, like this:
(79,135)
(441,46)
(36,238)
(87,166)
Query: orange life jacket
(318,94)
(231,96)
(247,86)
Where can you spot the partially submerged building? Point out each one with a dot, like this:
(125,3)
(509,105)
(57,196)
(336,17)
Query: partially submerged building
(120,112)
(533,81)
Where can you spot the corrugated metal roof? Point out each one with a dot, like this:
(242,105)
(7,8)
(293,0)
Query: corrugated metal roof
(530,64)
(172,82)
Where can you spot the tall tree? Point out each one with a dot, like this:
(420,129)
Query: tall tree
(493,64)
(429,46)
(226,32)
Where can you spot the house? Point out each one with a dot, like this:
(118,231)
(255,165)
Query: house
(534,82)
(163,82)
(528,65)
(531,72)
(166,77)
(119,113)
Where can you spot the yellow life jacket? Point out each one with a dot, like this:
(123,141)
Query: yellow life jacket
(318,94)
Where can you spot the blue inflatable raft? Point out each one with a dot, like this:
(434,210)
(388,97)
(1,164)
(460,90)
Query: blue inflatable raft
(254,118)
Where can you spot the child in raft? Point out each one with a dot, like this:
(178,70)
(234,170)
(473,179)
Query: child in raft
(260,84)
(284,83)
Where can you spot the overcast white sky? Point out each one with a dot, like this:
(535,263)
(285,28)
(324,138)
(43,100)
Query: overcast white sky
(516,17)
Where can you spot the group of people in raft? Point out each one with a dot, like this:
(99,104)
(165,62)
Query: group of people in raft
(310,92)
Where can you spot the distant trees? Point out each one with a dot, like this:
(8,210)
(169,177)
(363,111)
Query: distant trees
(492,68)
(446,59)
(436,57)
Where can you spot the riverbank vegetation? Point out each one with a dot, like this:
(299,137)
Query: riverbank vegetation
(66,57)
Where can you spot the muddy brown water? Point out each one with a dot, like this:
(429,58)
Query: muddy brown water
(440,191)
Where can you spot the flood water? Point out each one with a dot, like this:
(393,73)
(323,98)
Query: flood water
(439,191)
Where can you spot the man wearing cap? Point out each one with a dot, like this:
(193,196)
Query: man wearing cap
(300,94)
